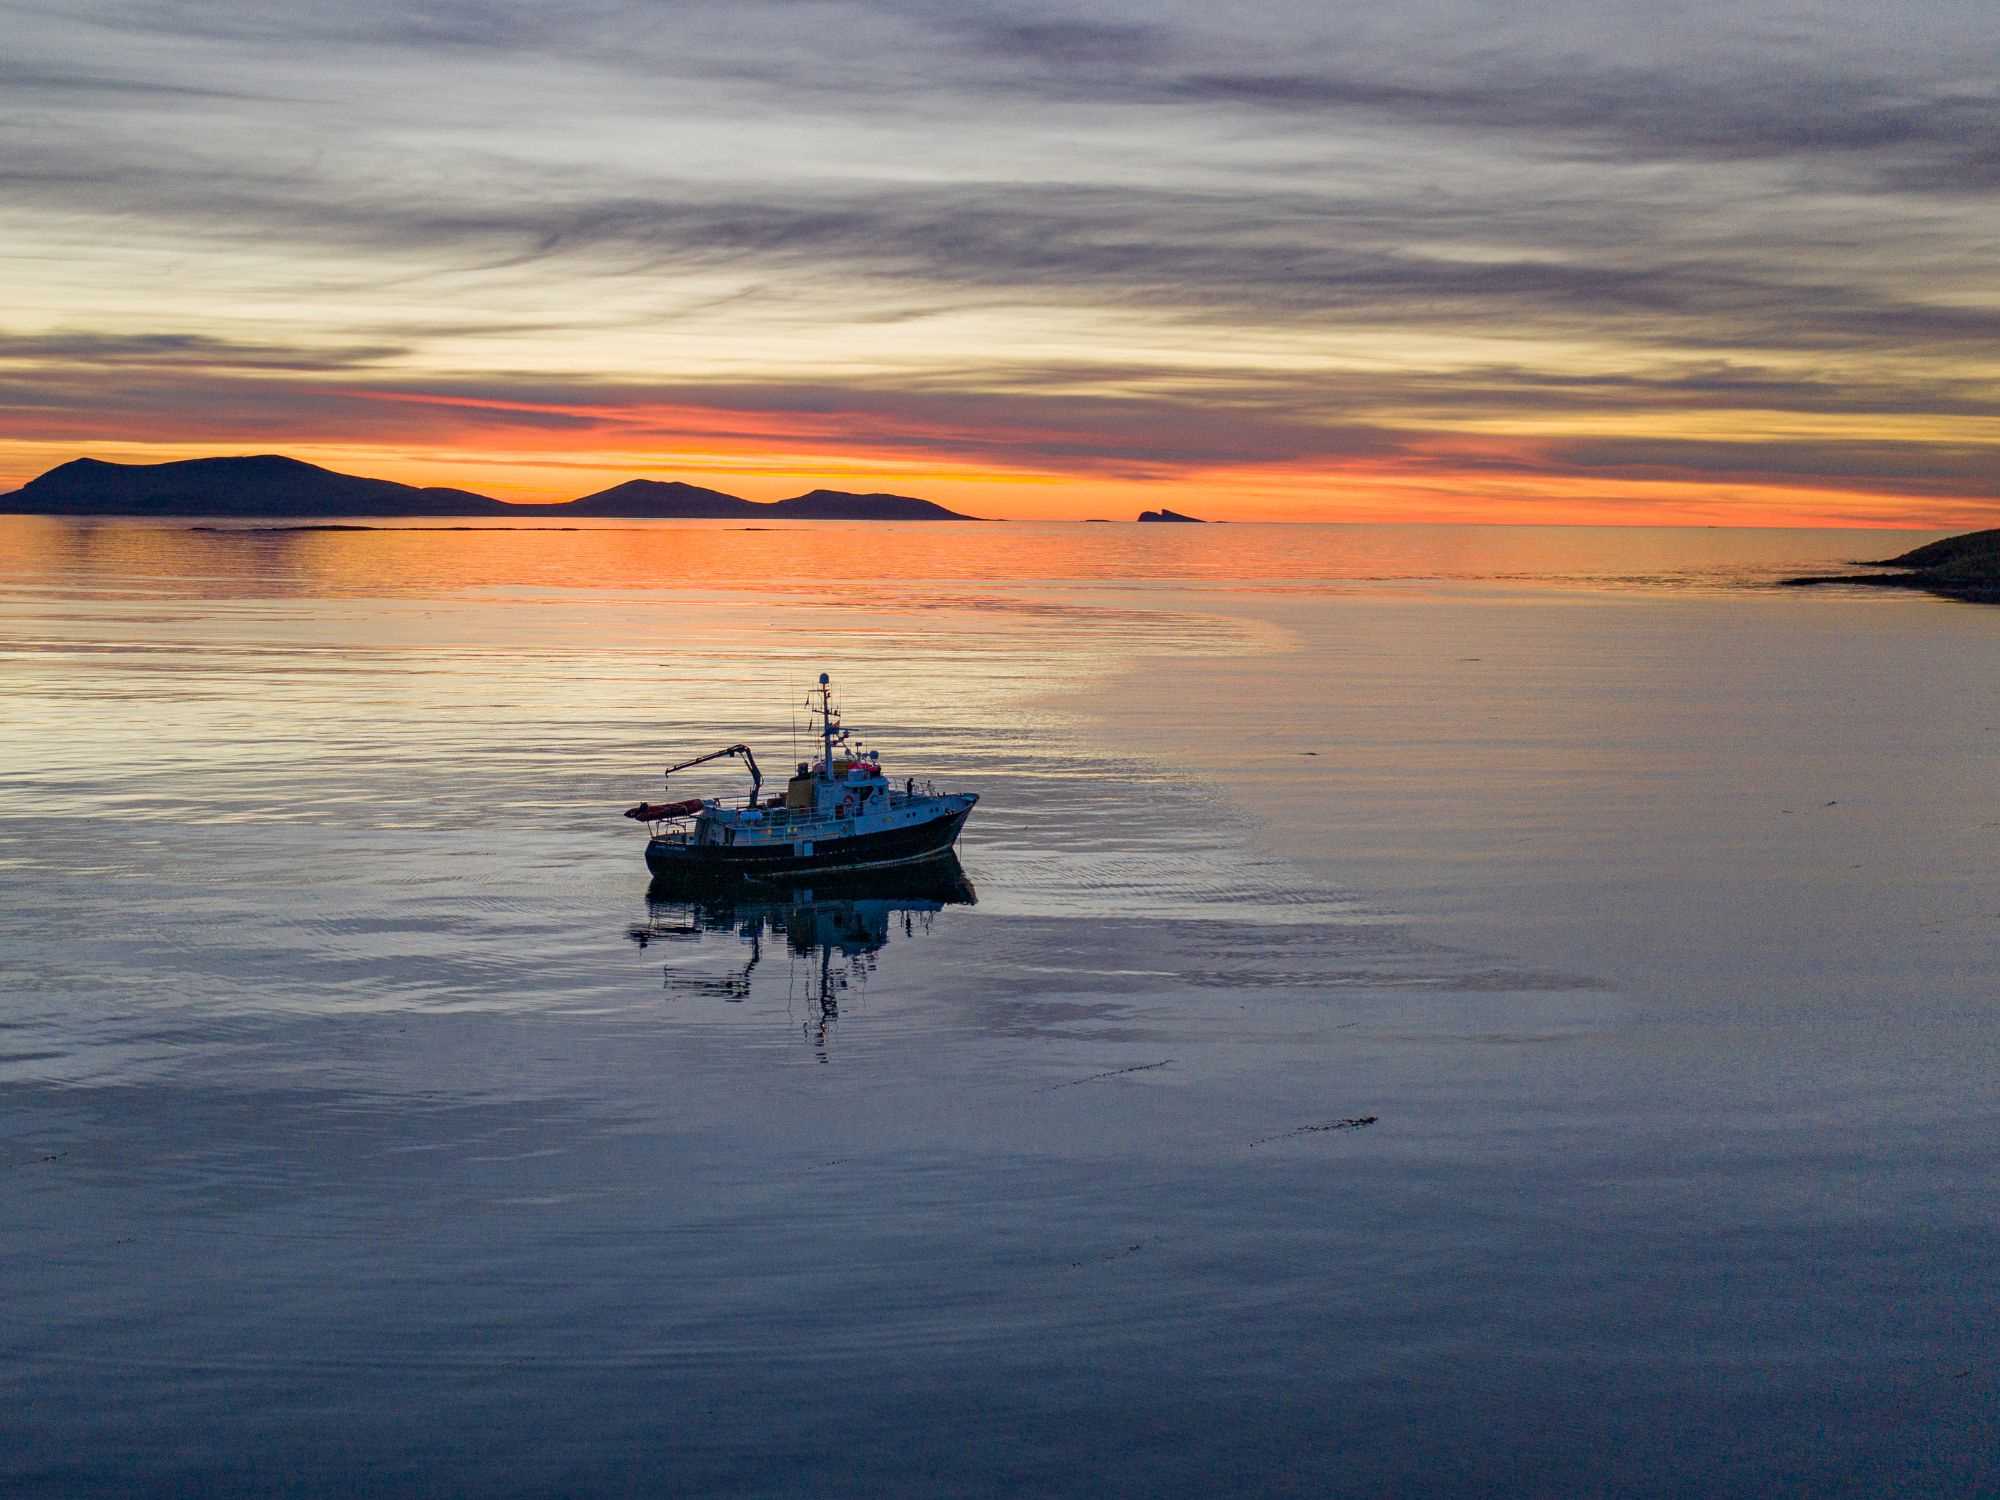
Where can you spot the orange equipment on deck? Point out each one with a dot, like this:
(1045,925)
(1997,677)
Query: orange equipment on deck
(646,812)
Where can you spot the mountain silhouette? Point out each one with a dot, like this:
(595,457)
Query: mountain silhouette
(272,486)
(266,485)
(841,505)
(653,499)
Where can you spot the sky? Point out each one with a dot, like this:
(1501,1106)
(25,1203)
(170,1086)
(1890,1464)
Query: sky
(1432,261)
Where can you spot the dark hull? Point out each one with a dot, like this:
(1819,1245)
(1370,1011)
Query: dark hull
(929,885)
(873,851)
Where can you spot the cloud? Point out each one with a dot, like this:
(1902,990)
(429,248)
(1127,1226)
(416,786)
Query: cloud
(22,83)
(432,25)
(1180,433)
(1833,463)
(186,351)
(1060,45)
(1628,113)
(1257,258)
(1074,240)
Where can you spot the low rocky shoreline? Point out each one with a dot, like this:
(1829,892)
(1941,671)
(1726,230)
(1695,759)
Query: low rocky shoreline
(1957,567)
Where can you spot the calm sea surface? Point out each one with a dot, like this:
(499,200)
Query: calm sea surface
(1429,1011)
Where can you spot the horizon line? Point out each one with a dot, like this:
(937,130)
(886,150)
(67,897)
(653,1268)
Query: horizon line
(529,506)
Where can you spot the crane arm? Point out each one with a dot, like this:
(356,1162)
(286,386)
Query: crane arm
(756,776)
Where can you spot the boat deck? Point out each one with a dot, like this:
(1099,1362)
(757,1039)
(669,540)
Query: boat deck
(787,825)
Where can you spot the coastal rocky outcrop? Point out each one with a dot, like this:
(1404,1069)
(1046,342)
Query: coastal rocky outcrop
(1958,567)
(270,486)
(1163,514)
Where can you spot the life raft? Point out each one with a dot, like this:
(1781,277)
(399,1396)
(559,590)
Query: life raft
(647,812)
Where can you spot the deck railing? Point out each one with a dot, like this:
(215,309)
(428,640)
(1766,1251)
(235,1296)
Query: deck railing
(791,825)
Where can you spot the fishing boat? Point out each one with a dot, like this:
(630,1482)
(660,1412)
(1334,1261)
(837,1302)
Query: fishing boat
(839,814)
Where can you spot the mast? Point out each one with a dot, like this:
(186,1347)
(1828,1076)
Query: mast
(826,725)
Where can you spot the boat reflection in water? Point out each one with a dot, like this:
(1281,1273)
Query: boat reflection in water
(830,933)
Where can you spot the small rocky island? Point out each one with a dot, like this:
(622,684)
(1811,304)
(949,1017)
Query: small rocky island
(1163,514)
(1958,567)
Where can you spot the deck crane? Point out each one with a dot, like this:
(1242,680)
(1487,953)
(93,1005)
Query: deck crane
(646,812)
(756,776)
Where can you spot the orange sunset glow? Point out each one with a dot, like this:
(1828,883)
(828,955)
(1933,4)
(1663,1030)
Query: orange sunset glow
(1257,275)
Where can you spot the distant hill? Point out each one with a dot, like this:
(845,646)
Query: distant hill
(1163,514)
(839,505)
(266,485)
(656,500)
(653,499)
(269,486)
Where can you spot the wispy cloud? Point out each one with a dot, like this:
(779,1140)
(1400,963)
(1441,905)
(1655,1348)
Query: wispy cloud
(182,351)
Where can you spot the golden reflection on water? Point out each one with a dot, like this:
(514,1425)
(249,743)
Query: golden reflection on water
(273,673)
(181,557)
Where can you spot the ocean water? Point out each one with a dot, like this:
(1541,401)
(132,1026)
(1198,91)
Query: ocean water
(1424,1011)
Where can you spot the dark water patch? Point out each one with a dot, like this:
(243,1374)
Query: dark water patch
(367,1125)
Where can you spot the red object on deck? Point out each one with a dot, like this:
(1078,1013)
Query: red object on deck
(646,812)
